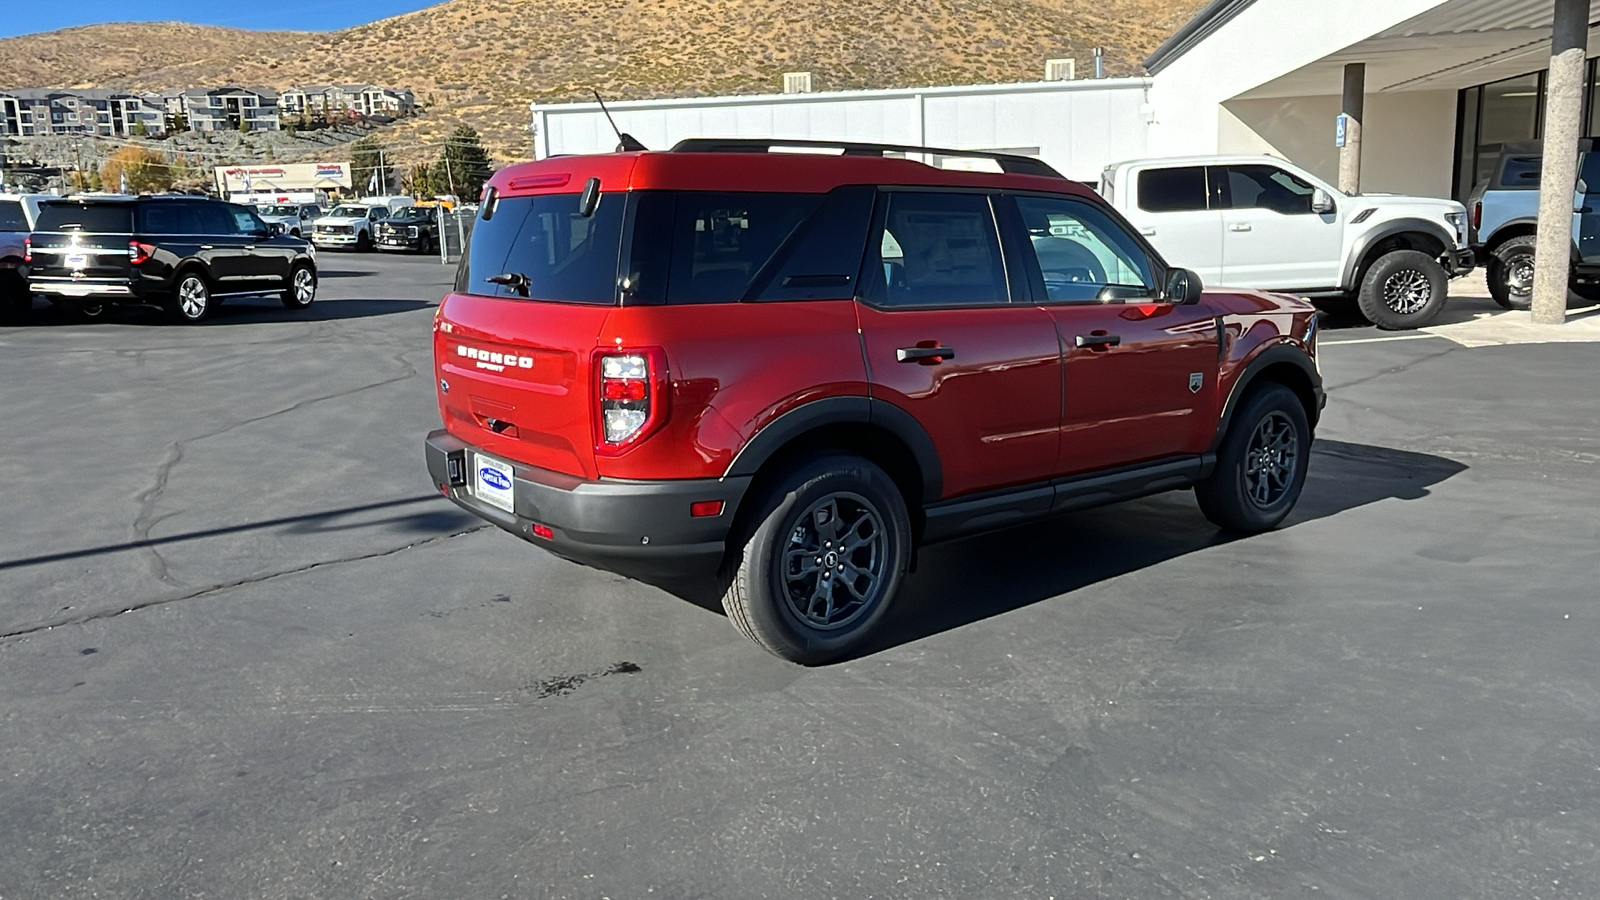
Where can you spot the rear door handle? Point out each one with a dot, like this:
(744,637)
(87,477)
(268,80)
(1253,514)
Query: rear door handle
(249,246)
(1239,226)
(925,355)
(1148,232)
(207,247)
(1098,340)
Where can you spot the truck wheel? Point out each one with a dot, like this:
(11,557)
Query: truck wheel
(1510,273)
(1403,289)
(828,554)
(16,302)
(302,288)
(190,301)
(1261,464)
(363,242)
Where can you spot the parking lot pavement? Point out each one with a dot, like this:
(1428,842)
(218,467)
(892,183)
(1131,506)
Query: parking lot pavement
(251,656)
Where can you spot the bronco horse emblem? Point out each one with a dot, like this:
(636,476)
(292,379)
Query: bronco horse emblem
(1196,379)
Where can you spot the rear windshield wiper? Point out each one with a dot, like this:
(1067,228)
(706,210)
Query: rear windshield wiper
(514,280)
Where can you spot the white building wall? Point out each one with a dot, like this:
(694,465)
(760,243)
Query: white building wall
(1255,47)
(1076,126)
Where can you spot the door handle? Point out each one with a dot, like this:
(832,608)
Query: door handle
(1148,232)
(207,247)
(249,246)
(925,355)
(1239,226)
(1098,340)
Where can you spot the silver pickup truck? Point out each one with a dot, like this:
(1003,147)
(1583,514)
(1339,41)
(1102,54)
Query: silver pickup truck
(1504,209)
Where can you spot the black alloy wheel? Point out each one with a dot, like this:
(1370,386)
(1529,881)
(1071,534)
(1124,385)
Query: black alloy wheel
(820,561)
(1261,462)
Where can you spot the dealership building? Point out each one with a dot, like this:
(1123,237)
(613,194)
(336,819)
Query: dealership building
(1434,87)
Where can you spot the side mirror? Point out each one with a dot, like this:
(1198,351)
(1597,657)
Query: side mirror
(1321,202)
(1578,196)
(274,229)
(1183,286)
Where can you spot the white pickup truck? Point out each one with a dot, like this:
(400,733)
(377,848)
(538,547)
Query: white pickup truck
(1262,222)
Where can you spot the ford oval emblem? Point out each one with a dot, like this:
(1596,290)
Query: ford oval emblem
(494,478)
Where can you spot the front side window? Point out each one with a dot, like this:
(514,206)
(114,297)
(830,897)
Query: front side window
(1179,189)
(935,249)
(1266,187)
(245,222)
(1082,253)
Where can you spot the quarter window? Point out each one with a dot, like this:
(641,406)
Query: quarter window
(933,249)
(1082,253)
(720,241)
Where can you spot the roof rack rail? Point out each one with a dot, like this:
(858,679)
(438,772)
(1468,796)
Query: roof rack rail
(1010,163)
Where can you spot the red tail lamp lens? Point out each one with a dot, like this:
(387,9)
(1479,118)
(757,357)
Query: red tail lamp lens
(140,253)
(543,531)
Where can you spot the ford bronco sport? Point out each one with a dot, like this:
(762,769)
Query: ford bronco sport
(792,370)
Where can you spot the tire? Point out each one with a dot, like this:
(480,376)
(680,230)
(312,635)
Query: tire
(190,302)
(302,287)
(1403,289)
(90,312)
(1510,273)
(1242,496)
(16,301)
(832,499)
(364,242)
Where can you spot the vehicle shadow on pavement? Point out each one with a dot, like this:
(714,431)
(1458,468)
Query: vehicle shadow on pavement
(236,311)
(973,579)
(429,523)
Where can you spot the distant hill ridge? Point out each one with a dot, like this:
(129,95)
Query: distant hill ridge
(482,61)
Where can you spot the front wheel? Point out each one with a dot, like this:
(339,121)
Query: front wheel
(1510,273)
(190,302)
(1261,464)
(1403,289)
(825,561)
(302,288)
(363,242)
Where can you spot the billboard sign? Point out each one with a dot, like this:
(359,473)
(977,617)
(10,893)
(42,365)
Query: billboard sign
(283,177)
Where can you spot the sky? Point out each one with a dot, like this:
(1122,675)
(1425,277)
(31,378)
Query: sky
(29,16)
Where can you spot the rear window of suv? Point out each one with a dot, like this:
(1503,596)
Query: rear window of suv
(564,256)
(11,217)
(97,218)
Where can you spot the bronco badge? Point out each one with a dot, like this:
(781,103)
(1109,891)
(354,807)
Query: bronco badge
(1196,379)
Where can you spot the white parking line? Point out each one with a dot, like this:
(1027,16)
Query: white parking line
(1379,340)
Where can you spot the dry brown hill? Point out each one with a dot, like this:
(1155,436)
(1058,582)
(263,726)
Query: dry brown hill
(483,61)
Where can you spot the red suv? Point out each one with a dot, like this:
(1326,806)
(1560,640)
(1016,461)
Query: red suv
(791,370)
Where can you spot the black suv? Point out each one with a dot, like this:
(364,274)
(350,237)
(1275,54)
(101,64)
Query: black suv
(179,254)
(414,228)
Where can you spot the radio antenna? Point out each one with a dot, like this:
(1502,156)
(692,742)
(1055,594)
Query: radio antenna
(626,143)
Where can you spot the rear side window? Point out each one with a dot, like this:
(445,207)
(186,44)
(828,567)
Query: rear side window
(1520,172)
(101,218)
(1266,187)
(11,217)
(1181,189)
(167,218)
(720,241)
(936,249)
(542,240)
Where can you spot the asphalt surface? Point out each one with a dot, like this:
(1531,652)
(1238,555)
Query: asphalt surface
(248,654)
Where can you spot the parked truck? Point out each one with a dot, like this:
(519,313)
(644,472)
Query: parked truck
(1262,222)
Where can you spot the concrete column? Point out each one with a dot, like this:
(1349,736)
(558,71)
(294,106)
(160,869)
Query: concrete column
(1355,95)
(1558,177)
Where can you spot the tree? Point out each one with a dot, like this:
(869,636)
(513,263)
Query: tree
(366,155)
(146,170)
(465,163)
(139,129)
(425,180)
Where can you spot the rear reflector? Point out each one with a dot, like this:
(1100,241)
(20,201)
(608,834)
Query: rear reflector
(542,531)
(703,509)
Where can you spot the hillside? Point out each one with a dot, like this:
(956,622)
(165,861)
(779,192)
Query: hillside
(482,61)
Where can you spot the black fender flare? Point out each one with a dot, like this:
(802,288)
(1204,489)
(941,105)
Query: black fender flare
(1363,244)
(1531,221)
(842,410)
(1280,352)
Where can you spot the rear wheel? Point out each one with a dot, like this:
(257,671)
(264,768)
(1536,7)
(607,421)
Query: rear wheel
(1261,464)
(826,558)
(302,288)
(1510,273)
(190,302)
(1403,289)
(363,242)
(15,300)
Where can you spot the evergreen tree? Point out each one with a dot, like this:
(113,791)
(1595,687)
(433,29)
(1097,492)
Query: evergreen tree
(465,163)
(365,155)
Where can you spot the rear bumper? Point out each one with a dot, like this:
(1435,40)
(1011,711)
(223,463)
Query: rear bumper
(74,288)
(638,528)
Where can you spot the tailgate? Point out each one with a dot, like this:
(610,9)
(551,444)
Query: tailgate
(519,376)
(61,255)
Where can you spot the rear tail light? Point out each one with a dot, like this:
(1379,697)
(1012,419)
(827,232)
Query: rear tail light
(27,250)
(633,396)
(1477,214)
(140,253)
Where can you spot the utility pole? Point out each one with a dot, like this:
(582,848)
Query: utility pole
(383,174)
